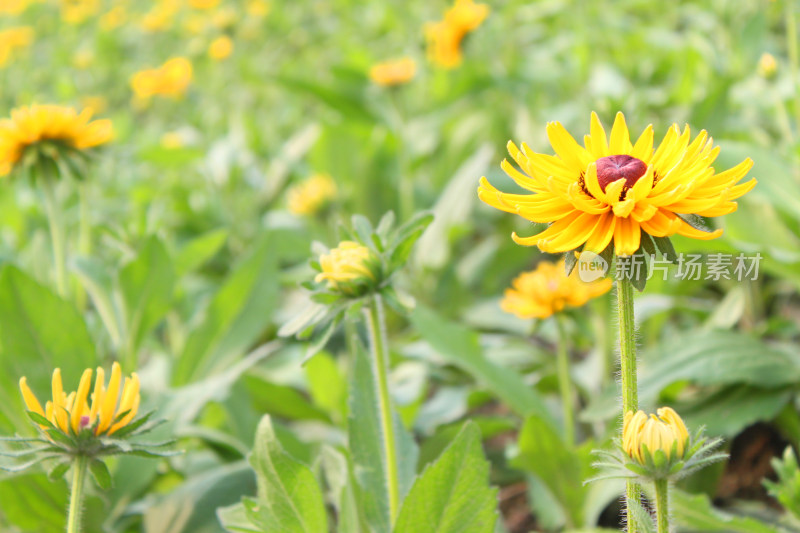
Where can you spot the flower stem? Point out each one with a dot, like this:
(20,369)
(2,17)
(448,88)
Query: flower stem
(627,357)
(56,233)
(380,360)
(76,494)
(564,383)
(662,505)
(791,43)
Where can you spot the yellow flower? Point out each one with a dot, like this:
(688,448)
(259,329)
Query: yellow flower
(172,140)
(76,11)
(204,4)
(113,18)
(14,7)
(767,66)
(548,290)
(395,72)
(220,48)
(615,189)
(655,432)
(160,16)
(312,195)
(75,412)
(30,125)
(444,37)
(170,79)
(13,39)
(257,8)
(223,17)
(348,268)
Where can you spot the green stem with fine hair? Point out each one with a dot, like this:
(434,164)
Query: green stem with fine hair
(662,505)
(76,493)
(56,232)
(380,361)
(630,393)
(564,383)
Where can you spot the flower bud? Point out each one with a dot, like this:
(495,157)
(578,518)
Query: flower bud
(643,436)
(351,269)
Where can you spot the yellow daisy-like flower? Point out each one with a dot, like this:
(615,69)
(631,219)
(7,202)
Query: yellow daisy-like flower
(170,79)
(349,268)
(220,48)
(655,432)
(394,72)
(611,188)
(548,290)
(30,125)
(444,37)
(311,196)
(74,412)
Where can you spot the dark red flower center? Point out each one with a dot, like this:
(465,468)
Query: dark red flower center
(614,167)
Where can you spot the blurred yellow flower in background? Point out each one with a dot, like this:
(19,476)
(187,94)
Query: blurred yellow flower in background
(30,125)
(172,140)
(14,7)
(311,196)
(83,58)
(170,79)
(13,39)
(76,11)
(613,189)
(96,104)
(204,4)
(220,48)
(767,66)
(113,18)
(548,290)
(444,37)
(663,432)
(394,72)
(257,8)
(73,412)
(161,16)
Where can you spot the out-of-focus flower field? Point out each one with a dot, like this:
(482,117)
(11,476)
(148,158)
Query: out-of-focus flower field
(259,220)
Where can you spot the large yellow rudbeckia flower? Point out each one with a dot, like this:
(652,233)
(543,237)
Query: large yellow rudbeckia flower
(611,188)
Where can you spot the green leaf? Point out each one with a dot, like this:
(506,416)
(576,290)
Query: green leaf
(327,385)
(453,494)
(366,438)
(58,471)
(38,332)
(664,245)
(562,470)
(146,284)
(199,250)
(235,318)
(289,497)
(460,347)
(100,474)
(98,283)
(234,518)
(281,400)
(696,513)
(34,503)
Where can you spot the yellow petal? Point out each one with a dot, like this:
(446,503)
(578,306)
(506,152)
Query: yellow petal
(109,405)
(620,142)
(31,402)
(80,399)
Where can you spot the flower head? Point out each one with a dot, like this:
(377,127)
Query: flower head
(643,435)
(312,195)
(108,409)
(220,48)
(444,37)
(613,189)
(767,66)
(170,79)
(350,268)
(33,127)
(76,11)
(394,72)
(548,290)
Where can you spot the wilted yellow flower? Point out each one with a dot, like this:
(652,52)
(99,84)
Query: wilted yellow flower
(349,268)
(76,11)
(74,412)
(204,4)
(30,125)
(113,18)
(395,72)
(220,48)
(767,65)
(312,195)
(445,36)
(170,79)
(614,189)
(660,432)
(548,290)
(12,39)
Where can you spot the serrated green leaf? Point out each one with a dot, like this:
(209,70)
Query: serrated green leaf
(453,494)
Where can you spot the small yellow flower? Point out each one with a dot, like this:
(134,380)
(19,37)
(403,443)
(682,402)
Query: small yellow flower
(30,125)
(311,196)
(76,11)
(77,411)
(113,18)
(348,268)
(13,39)
(395,72)
(660,432)
(548,290)
(257,8)
(160,16)
(204,4)
(220,48)
(172,140)
(14,7)
(615,189)
(445,36)
(170,79)
(767,66)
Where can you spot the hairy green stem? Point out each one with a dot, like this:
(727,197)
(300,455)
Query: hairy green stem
(564,383)
(380,360)
(76,494)
(630,394)
(56,233)
(662,505)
